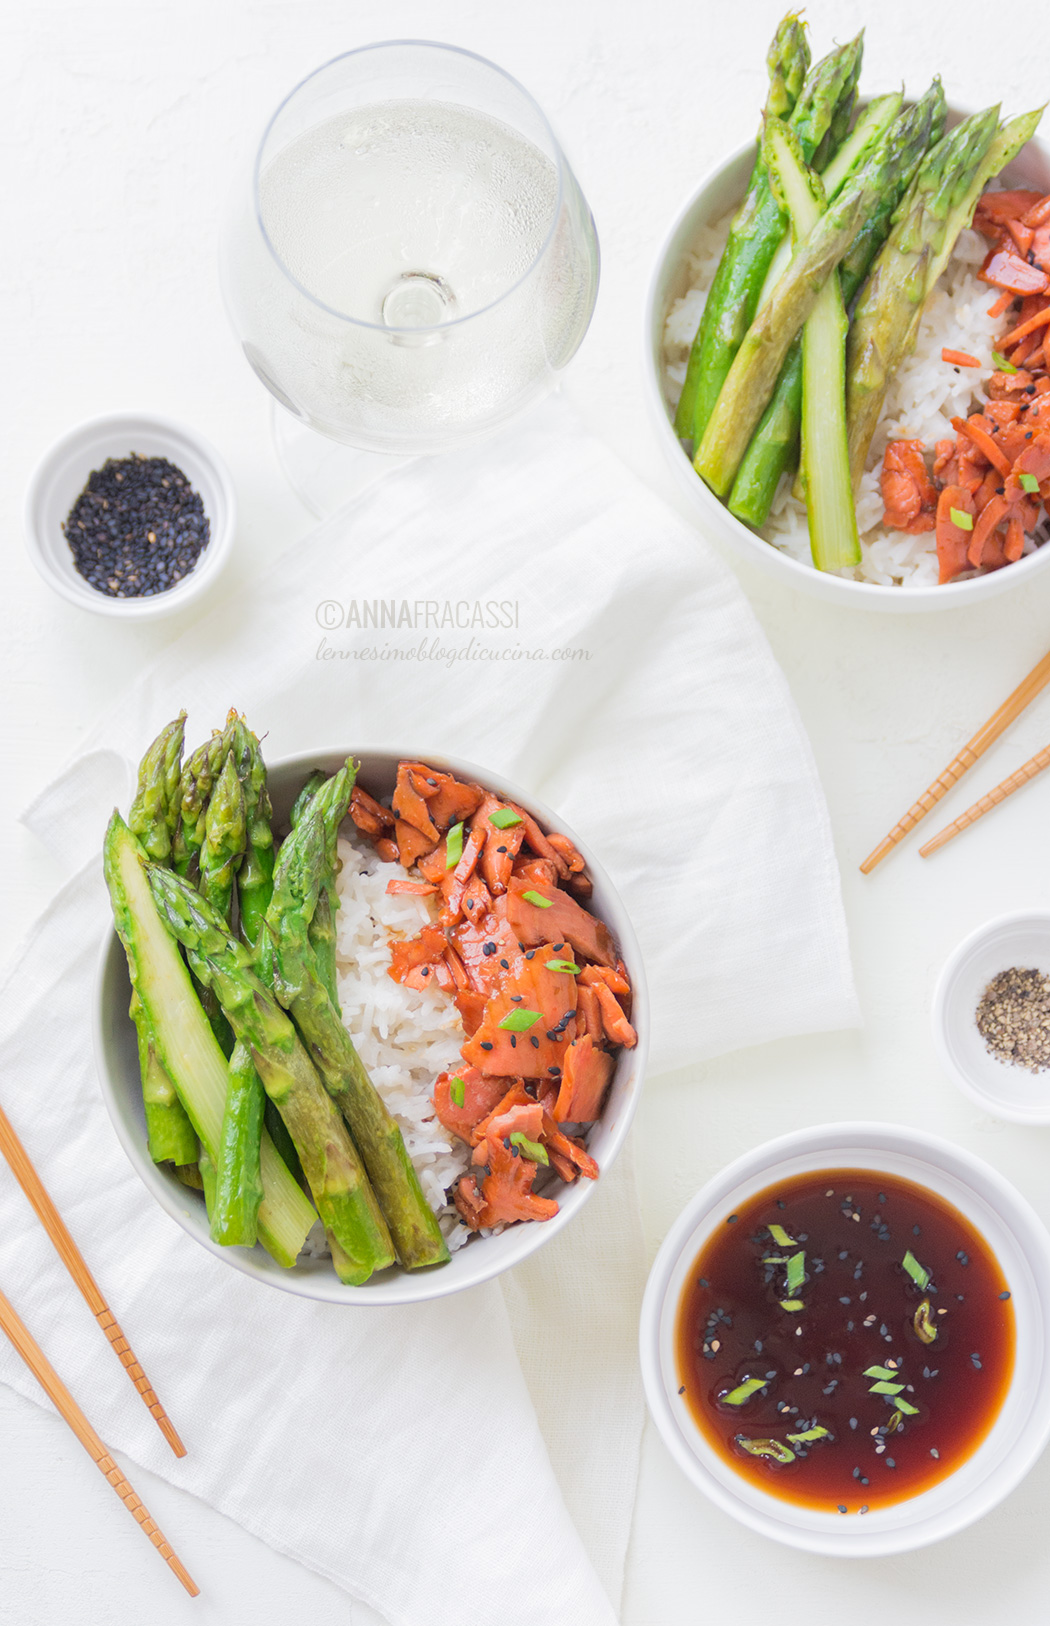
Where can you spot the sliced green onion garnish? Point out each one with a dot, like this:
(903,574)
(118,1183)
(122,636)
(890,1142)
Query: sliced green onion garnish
(817,1433)
(886,1388)
(456,1092)
(918,1273)
(742,1392)
(454,846)
(961,518)
(886,1372)
(908,1409)
(504,818)
(537,898)
(1029,482)
(796,1272)
(1001,362)
(774,1259)
(529,1148)
(568,966)
(766,1448)
(924,1324)
(780,1237)
(520,1021)
(792,1304)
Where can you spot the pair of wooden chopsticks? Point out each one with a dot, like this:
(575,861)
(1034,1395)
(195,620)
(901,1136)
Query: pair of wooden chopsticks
(45,1374)
(986,735)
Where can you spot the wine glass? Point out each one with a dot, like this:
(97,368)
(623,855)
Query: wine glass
(413,263)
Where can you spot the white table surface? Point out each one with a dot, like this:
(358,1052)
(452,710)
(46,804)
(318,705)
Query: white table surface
(124,123)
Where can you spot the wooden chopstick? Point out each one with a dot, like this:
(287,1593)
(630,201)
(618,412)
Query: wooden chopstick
(986,735)
(71,1256)
(1023,776)
(48,1378)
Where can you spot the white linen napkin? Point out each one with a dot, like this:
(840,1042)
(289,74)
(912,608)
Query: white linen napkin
(627,684)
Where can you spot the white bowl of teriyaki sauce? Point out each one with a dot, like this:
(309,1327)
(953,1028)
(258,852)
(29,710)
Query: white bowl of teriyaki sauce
(845,1339)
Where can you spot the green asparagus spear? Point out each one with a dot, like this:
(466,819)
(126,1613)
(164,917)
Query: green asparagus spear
(322,925)
(825,455)
(300,989)
(753,375)
(787,61)
(755,234)
(224,839)
(198,777)
(238,1182)
(774,446)
(889,308)
(344,1198)
(255,876)
(153,819)
(185,1043)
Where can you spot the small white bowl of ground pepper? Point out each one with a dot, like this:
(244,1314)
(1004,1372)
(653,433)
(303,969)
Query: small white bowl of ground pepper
(991,1016)
(130,515)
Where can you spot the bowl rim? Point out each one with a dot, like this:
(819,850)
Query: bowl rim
(746,543)
(71,586)
(997,1106)
(395,1286)
(754,1168)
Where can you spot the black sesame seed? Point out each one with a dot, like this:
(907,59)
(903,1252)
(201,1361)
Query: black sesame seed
(1004,1295)
(682,1389)
(534,1041)
(513,1041)
(501,849)
(732,1219)
(485,1045)
(505,964)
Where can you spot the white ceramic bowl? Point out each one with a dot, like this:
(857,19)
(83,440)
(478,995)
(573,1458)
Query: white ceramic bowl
(481,1258)
(1001,1088)
(1019,1241)
(718,192)
(62,474)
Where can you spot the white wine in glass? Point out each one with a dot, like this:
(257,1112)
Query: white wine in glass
(414,261)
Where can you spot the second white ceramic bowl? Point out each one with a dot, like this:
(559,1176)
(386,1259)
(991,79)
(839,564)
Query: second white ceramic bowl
(481,1258)
(719,191)
(1015,1235)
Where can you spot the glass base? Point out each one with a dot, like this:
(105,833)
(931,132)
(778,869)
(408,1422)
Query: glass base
(324,474)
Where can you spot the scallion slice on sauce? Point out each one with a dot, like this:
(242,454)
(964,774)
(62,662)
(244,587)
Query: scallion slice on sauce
(886,1389)
(960,517)
(742,1392)
(792,1304)
(888,1373)
(504,818)
(456,1092)
(454,846)
(796,1272)
(520,1021)
(817,1433)
(537,898)
(1029,482)
(924,1324)
(906,1407)
(568,966)
(780,1237)
(918,1273)
(1001,362)
(766,1448)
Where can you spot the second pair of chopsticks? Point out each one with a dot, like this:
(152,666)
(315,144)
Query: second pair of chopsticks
(986,735)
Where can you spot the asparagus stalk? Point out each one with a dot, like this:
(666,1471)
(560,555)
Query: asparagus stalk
(224,839)
(322,925)
(345,1200)
(825,455)
(198,777)
(255,876)
(234,1211)
(753,375)
(301,990)
(889,308)
(774,446)
(757,219)
(153,819)
(185,1043)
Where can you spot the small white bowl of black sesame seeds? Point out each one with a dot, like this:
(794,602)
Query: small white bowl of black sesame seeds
(991,1016)
(130,515)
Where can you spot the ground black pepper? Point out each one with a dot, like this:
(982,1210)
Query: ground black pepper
(137,528)
(1013,1018)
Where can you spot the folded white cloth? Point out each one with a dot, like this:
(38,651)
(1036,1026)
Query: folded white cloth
(626,683)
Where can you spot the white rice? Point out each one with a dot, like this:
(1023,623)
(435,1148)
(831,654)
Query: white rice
(920,403)
(404,1037)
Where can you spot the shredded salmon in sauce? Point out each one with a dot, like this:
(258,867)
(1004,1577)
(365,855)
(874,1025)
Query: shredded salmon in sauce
(990,487)
(544,996)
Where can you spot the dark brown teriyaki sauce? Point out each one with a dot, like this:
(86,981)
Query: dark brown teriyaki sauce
(852,1304)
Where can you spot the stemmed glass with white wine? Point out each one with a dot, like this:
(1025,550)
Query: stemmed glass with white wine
(413,263)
